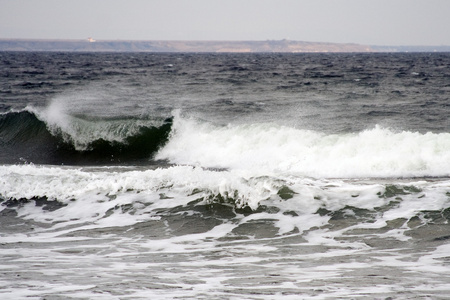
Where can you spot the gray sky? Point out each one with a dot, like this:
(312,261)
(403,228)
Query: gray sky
(373,22)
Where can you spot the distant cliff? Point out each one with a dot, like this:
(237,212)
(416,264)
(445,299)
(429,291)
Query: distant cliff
(89,45)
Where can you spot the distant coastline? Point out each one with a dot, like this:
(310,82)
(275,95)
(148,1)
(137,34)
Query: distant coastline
(280,46)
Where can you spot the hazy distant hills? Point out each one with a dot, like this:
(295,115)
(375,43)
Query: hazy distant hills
(90,45)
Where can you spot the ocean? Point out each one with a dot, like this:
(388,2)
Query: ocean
(224,176)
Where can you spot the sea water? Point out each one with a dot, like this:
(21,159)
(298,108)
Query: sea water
(224,176)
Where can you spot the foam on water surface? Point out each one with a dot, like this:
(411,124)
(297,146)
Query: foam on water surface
(377,152)
(91,194)
(255,226)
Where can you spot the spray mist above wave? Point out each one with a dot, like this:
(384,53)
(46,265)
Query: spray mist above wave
(270,148)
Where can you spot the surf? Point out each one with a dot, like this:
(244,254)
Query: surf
(269,148)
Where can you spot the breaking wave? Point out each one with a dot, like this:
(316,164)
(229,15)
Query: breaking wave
(41,137)
(273,149)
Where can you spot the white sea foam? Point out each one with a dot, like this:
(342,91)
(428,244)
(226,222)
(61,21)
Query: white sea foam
(270,148)
(90,193)
(287,170)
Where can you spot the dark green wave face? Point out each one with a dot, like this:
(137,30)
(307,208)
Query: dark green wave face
(26,138)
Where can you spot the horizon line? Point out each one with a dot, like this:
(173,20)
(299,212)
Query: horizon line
(206,41)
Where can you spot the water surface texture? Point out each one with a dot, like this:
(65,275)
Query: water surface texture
(224,176)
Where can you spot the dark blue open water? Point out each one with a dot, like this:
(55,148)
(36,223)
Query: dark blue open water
(224,176)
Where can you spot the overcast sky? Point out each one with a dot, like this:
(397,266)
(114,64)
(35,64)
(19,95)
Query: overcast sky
(372,22)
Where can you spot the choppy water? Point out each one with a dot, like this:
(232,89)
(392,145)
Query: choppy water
(224,176)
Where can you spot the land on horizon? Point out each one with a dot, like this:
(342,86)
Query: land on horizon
(281,46)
